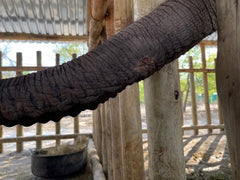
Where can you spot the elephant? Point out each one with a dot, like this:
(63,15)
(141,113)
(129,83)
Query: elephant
(133,54)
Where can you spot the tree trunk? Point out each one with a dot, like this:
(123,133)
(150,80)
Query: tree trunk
(228,76)
(130,56)
(163,111)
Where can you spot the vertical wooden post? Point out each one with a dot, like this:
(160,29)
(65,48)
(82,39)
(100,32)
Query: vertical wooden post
(193,96)
(1,127)
(39,126)
(129,104)
(115,162)
(219,105)
(97,10)
(163,111)
(182,118)
(76,119)
(205,86)
(104,139)
(58,124)
(228,76)
(19,132)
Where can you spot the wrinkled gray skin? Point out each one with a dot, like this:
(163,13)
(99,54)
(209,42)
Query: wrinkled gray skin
(130,56)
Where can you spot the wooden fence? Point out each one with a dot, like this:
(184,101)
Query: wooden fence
(205,71)
(39,137)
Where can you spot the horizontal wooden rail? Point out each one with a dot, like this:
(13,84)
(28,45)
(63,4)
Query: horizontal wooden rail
(193,127)
(211,126)
(43,138)
(196,70)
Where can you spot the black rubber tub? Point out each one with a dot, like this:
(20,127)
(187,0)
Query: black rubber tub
(50,166)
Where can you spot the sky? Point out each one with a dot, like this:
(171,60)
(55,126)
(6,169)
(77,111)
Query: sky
(29,51)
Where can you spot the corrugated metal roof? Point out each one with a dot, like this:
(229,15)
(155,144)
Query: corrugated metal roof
(44,17)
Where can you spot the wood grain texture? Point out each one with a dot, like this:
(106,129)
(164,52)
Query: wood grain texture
(228,76)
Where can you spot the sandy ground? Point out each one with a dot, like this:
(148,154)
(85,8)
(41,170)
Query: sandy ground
(206,156)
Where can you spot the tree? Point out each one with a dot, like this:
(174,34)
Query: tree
(67,49)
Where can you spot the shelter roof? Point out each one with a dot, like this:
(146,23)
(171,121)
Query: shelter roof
(21,19)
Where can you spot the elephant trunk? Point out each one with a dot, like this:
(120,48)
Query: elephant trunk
(130,56)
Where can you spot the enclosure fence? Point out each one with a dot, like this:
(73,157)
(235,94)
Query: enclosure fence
(204,71)
(39,136)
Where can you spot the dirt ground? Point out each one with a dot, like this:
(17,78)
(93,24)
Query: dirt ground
(206,155)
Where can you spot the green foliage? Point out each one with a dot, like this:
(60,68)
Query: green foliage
(141,92)
(66,50)
(195,52)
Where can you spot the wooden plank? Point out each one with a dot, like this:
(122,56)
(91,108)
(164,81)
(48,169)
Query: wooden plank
(197,70)
(39,126)
(1,127)
(193,96)
(58,124)
(42,138)
(212,126)
(205,86)
(38,37)
(19,129)
(192,127)
(228,76)
(208,43)
(76,119)
(129,105)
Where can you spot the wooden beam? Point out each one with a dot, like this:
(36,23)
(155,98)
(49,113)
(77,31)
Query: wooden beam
(38,37)
(43,138)
(228,76)
(205,86)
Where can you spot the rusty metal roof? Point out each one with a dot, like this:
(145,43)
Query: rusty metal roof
(44,17)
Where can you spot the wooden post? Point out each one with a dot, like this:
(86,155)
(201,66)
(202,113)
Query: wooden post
(39,126)
(98,10)
(163,111)
(193,96)
(104,139)
(19,132)
(1,127)
(76,119)
(129,104)
(115,162)
(228,76)
(58,124)
(205,86)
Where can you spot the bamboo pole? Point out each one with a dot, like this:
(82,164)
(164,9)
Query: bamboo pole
(97,168)
(39,126)
(205,86)
(1,127)
(193,96)
(228,76)
(19,129)
(58,124)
